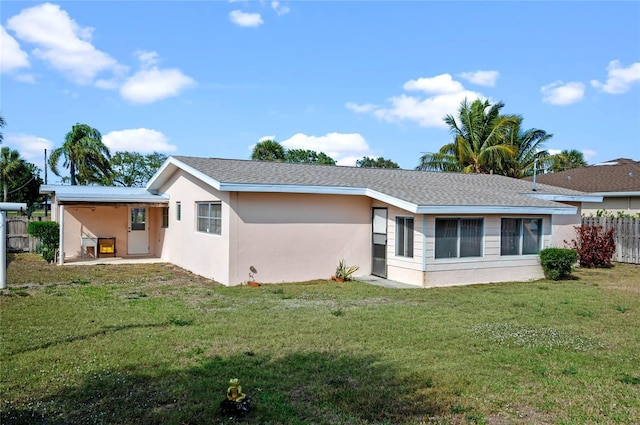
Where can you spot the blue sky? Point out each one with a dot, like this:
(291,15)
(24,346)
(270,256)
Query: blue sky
(352,79)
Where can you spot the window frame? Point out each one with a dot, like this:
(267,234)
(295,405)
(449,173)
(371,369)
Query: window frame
(521,237)
(214,221)
(165,217)
(460,238)
(404,247)
(178,211)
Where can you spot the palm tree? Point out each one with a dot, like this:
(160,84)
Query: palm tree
(528,144)
(2,124)
(84,154)
(479,144)
(567,159)
(268,150)
(10,164)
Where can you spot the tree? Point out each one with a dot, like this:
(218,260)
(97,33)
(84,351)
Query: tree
(528,144)
(20,180)
(268,150)
(132,169)
(10,165)
(380,162)
(566,160)
(26,187)
(2,124)
(307,156)
(84,154)
(479,144)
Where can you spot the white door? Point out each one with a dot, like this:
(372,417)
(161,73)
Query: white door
(138,239)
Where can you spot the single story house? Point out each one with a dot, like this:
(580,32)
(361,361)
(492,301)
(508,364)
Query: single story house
(617,181)
(238,220)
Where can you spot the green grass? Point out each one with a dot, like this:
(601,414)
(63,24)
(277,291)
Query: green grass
(154,344)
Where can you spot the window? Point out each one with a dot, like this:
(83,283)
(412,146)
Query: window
(138,218)
(165,217)
(404,236)
(209,219)
(178,211)
(459,237)
(520,236)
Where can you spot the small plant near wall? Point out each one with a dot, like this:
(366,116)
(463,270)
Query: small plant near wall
(558,262)
(344,272)
(49,234)
(594,245)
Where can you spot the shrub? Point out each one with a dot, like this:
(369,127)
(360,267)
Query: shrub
(49,234)
(557,262)
(595,247)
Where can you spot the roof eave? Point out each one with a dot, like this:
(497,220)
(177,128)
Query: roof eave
(494,209)
(616,194)
(169,167)
(566,198)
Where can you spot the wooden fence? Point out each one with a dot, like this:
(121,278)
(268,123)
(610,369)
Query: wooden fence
(626,235)
(17,237)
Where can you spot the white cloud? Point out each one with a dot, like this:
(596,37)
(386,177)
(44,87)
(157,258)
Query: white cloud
(619,79)
(367,107)
(141,140)
(12,57)
(147,58)
(481,78)
(589,154)
(560,93)
(440,84)
(243,19)
(345,148)
(443,96)
(151,85)
(264,138)
(30,147)
(62,43)
(279,8)
(428,112)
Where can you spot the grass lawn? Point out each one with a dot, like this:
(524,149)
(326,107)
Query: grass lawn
(154,344)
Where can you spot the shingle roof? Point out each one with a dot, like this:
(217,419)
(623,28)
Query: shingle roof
(420,188)
(620,175)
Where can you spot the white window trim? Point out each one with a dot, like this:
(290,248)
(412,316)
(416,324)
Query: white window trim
(395,250)
(196,216)
(459,238)
(521,236)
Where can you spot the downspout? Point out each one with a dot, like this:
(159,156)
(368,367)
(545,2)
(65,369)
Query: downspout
(424,250)
(551,231)
(61,243)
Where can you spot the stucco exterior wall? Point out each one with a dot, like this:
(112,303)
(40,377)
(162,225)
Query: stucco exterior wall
(285,237)
(288,237)
(564,227)
(99,221)
(181,244)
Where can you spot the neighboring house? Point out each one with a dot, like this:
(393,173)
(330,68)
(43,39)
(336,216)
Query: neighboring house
(234,221)
(617,181)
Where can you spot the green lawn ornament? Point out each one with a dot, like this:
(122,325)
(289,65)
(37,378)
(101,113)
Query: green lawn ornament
(237,403)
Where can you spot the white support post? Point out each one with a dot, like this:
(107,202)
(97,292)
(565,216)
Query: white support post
(4,207)
(3,250)
(61,244)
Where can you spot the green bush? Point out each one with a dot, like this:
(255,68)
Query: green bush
(49,234)
(558,262)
